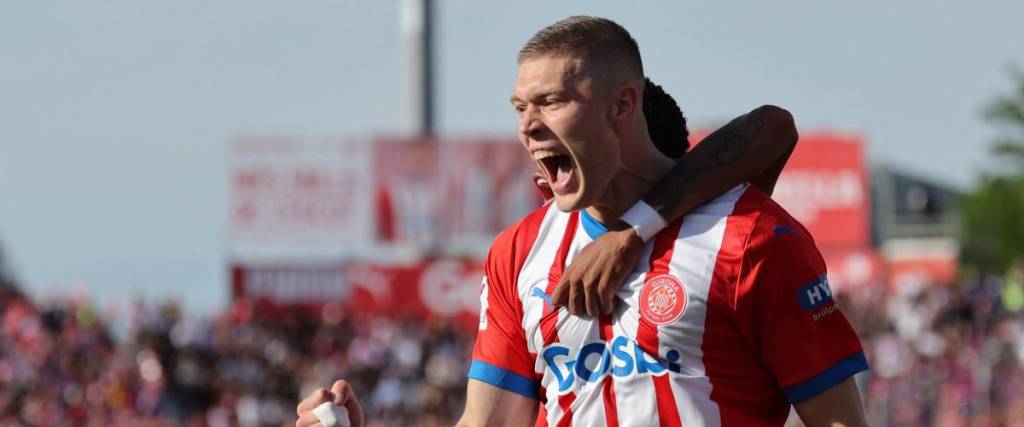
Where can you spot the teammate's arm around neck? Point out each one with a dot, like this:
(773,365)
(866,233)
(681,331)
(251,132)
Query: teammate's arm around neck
(753,147)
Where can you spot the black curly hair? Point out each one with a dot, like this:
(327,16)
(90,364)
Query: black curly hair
(665,121)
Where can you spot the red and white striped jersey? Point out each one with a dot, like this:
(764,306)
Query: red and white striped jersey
(726,320)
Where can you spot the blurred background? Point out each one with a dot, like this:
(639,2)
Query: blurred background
(209,209)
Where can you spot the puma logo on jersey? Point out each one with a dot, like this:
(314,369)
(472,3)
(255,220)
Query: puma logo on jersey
(536,292)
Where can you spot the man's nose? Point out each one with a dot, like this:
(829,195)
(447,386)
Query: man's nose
(529,122)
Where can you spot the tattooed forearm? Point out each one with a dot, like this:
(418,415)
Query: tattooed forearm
(738,152)
(735,138)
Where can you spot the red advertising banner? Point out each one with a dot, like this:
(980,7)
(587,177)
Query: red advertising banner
(457,194)
(445,288)
(825,186)
(452,198)
(440,288)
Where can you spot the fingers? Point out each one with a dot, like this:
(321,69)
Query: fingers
(572,295)
(589,284)
(577,289)
(593,300)
(576,299)
(606,295)
(314,399)
(615,275)
(345,396)
(305,408)
(560,297)
(307,420)
(342,392)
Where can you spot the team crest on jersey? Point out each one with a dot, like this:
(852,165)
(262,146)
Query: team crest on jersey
(662,299)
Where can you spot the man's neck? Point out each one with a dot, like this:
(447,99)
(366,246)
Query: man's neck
(630,184)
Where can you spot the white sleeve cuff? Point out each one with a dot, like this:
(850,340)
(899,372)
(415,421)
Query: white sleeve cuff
(644,219)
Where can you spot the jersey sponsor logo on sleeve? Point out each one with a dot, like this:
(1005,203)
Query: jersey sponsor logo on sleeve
(621,357)
(815,294)
(662,299)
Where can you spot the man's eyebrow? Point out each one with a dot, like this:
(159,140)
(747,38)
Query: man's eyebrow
(539,95)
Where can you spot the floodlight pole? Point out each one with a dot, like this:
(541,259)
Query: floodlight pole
(417,25)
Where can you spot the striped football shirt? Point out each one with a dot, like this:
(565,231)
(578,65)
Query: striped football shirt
(726,320)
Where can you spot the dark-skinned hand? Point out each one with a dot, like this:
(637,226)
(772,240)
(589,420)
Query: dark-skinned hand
(589,284)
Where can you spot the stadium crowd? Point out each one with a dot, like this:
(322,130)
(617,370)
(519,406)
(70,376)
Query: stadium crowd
(60,365)
(942,355)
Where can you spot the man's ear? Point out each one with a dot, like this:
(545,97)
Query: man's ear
(625,104)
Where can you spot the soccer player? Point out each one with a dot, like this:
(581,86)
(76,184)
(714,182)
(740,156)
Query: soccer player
(736,153)
(726,317)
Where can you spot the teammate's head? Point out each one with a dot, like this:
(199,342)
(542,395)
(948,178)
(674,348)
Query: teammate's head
(579,95)
(665,121)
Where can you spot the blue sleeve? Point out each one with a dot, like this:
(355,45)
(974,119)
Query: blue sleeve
(504,379)
(823,381)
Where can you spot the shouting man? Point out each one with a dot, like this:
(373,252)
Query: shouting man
(725,316)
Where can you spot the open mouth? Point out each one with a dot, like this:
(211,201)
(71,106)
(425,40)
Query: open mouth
(541,182)
(557,167)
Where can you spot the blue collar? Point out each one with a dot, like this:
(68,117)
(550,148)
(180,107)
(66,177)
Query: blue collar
(592,226)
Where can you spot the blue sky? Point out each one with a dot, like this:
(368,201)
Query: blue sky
(115,114)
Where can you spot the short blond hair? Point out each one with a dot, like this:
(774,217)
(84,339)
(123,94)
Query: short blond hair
(588,38)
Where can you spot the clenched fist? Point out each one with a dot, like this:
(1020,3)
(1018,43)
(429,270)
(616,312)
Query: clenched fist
(340,394)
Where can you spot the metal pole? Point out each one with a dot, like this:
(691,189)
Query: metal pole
(417,26)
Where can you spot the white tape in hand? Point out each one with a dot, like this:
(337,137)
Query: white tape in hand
(331,415)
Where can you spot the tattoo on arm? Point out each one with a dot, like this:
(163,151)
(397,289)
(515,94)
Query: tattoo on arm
(677,192)
(735,141)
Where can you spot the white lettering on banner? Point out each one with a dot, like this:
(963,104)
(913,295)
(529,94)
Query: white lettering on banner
(370,280)
(297,285)
(305,197)
(446,288)
(805,193)
(299,194)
